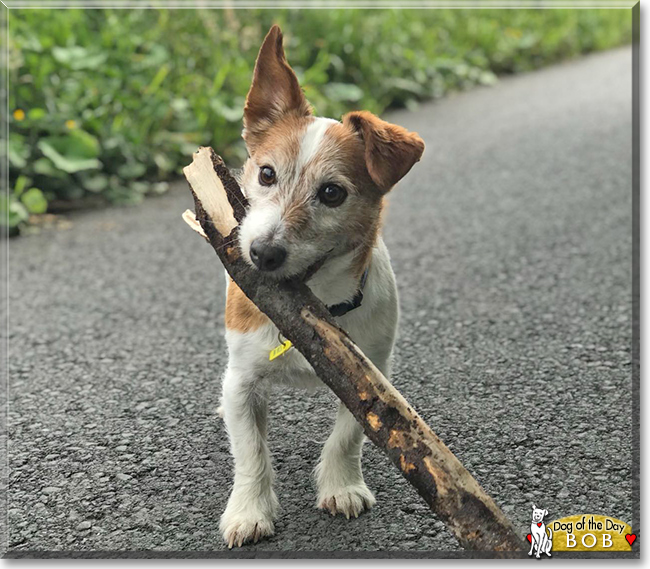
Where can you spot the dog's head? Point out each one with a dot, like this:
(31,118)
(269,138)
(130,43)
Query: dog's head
(538,514)
(315,185)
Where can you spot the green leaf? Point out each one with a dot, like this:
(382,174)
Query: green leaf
(34,201)
(77,57)
(139,187)
(96,184)
(68,164)
(343,92)
(118,193)
(36,114)
(44,167)
(164,162)
(487,78)
(20,185)
(12,212)
(131,170)
(18,151)
(179,105)
(157,80)
(71,153)
(408,85)
(231,114)
(156,57)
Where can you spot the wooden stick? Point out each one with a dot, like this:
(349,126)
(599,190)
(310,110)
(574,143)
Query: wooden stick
(387,418)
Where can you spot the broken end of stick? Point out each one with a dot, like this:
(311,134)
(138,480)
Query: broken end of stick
(189,217)
(209,190)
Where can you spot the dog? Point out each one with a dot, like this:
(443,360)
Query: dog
(540,541)
(315,188)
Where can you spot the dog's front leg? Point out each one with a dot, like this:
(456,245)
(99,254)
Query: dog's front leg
(252,505)
(538,549)
(341,488)
(532,543)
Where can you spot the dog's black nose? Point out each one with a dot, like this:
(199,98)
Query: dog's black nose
(267,257)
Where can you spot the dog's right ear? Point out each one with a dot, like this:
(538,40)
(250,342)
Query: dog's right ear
(534,507)
(275,90)
(390,150)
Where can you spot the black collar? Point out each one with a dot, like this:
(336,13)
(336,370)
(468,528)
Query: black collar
(343,308)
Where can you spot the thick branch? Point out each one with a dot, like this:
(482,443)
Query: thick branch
(387,418)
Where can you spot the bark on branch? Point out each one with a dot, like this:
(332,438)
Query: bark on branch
(387,418)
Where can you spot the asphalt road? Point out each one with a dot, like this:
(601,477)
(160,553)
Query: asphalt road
(511,242)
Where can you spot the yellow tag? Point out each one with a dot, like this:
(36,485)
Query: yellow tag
(279,350)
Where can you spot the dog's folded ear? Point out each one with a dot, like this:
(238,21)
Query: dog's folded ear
(275,90)
(390,150)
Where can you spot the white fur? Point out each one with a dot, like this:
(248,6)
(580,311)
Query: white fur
(312,140)
(248,380)
(261,222)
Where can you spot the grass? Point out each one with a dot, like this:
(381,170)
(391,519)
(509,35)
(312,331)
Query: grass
(111,103)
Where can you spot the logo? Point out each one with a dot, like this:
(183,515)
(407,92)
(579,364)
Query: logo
(540,537)
(591,532)
(587,532)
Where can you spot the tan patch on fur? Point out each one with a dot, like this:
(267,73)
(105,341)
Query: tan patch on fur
(274,92)
(348,148)
(390,150)
(241,314)
(296,215)
(282,141)
(363,256)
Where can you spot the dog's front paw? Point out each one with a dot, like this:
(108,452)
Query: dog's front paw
(248,519)
(347,500)
(244,527)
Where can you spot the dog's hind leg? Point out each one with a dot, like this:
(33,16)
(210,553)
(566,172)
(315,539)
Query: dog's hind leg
(252,505)
(341,488)
(549,542)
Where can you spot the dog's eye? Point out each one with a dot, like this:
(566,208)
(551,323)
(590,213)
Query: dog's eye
(332,195)
(267,176)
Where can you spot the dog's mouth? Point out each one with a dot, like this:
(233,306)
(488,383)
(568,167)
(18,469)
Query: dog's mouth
(301,276)
(313,268)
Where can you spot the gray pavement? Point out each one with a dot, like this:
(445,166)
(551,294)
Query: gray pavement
(511,242)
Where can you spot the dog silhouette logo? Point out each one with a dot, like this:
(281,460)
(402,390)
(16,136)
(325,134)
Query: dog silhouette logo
(540,537)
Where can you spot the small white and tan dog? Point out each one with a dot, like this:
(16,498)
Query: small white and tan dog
(315,188)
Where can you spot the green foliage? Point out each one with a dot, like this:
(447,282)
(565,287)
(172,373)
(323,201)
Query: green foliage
(112,103)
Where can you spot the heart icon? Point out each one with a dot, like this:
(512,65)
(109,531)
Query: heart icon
(539,525)
(631,538)
(529,538)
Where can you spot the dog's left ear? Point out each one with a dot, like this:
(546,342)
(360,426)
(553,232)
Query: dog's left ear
(546,512)
(391,150)
(275,90)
